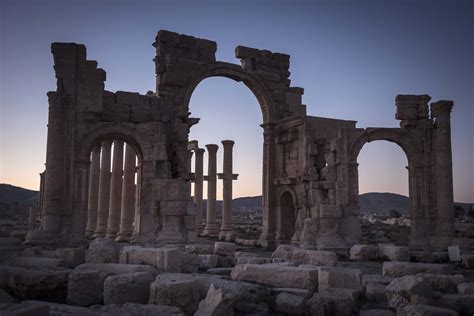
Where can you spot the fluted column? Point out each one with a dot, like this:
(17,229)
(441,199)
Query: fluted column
(198,182)
(31,218)
(443,179)
(227,228)
(104,190)
(211,228)
(115,191)
(128,187)
(93,198)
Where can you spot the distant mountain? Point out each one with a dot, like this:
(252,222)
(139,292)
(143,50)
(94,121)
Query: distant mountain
(373,202)
(10,194)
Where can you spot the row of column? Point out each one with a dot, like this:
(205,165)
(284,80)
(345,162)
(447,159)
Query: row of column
(226,231)
(110,202)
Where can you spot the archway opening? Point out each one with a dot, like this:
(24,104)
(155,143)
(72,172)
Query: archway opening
(113,198)
(228,110)
(384,199)
(287,218)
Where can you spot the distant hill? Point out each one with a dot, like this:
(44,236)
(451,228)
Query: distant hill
(373,202)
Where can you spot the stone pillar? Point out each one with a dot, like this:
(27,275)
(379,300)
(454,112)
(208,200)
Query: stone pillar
(93,198)
(104,190)
(128,187)
(211,228)
(115,191)
(198,182)
(31,218)
(138,193)
(443,177)
(227,228)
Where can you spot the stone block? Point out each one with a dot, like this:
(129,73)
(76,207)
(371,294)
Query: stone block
(313,257)
(116,268)
(363,253)
(103,250)
(128,288)
(461,303)
(189,262)
(216,303)
(225,249)
(466,288)
(400,290)
(34,262)
(150,310)
(164,259)
(25,309)
(440,256)
(128,98)
(71,257)
(277,275)
(219,271)
(289,304)
(376,278)
(340,278)
(375,292)
(207,261)
(184,291)
(49,285)
(5,297)
(468,261)
(398,269)
(445,283)
(331,302)
(200,249)
(300,292)
(253,260)
(394,253)
(225,261)
(377,312)
(85,287)
(425,310)
(454,253)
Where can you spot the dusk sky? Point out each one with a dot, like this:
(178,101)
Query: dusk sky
(351,57)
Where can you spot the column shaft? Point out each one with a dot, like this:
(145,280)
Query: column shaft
(198,182)
(104,190)
(227,229)
(128,187)
(93,199)
(211,228)
(115,191)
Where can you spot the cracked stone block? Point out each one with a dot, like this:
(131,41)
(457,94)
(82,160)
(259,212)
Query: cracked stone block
(103,250)
(128,288)
(331,302)
(398,269)
(400,290)
(225,249)
(363,253)
(49,285)
(289,304)
(341,278)
(394,253)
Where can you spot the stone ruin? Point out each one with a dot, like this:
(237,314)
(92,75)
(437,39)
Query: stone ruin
(108,246)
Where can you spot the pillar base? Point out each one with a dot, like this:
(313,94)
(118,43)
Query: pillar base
(99,234)
(41,237)
(211,230)
(123,237)
(89,234)
(111,235)
(227,234)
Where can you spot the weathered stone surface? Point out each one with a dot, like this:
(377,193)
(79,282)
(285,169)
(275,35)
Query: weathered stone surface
(5,297)
(216,303)
(49,285)
(26,309)
(424,310)
(375,292)
(116,268)
(85,287)
(189,262)
(200,249)
(71,257)
(398,269)
(103,250)
(341,278)
(317,258)
(181,290)
(454,253)
(468,261)
(330,302)
(376,312)
(225,249)
(253,260)
(394,253)
(34,262)
(363,252)
(462,303)
(466,288)
(289,304)
(219,271)
(400,290)
(207,261)
(299,292)
(442,282)
(376,278)
(277,275)
(164,259)
(128,288)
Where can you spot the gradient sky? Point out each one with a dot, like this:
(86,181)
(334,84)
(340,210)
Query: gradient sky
(351,57)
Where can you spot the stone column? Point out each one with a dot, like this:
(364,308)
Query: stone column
(31,218)
(227,228)
(211,228)
(198,182)
(104,190)
(443,177)
(128,187)
(115,191)
(93,199)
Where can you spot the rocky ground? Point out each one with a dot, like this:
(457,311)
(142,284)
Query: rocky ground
(382,277)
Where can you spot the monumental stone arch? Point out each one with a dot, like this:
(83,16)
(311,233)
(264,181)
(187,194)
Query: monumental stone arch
(310,178)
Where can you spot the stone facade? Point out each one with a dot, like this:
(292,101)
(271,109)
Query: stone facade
(310,176)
